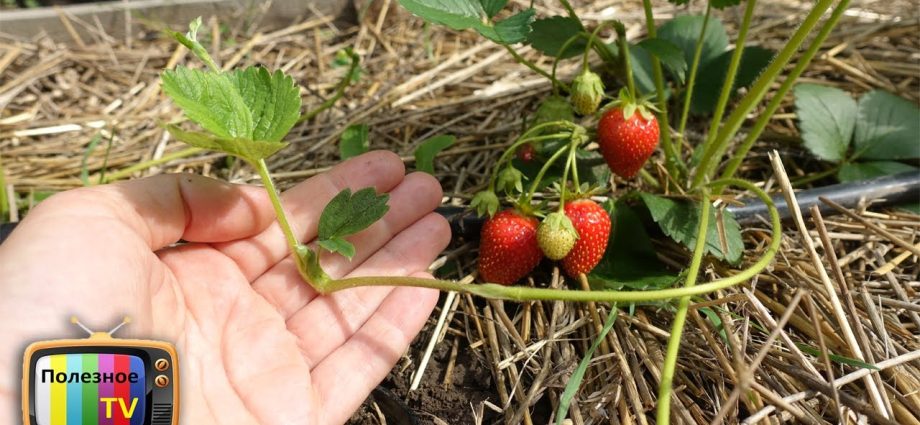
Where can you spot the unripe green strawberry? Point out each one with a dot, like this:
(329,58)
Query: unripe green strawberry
(556,236)
(508,247)
(587,92)
(593,226)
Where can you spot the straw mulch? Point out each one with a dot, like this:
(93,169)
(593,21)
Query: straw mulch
(854,294)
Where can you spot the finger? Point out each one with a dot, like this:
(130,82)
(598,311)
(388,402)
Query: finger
(348,375)
(416,196)
(160,210)
(342,313)
(304,203)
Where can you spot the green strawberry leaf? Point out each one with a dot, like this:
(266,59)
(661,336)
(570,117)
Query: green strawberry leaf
(887,127)
(354,141)
(680,220)
(549,35)
(684,31)
(630,260)
(514,29)
(273,101)
(856,171)
(250,150)
(827,117)
(712,77)
(211,100)
(428,149)
(470,14)
(347,214)
(338,245)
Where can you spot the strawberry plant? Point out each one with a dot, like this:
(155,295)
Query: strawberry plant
(247,113)
(864,139)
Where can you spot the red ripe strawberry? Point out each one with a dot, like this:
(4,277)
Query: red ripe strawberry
(508,247)
(593,225)
(626,143)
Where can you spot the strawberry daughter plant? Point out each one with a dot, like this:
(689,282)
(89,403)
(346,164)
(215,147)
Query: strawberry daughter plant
(248,112)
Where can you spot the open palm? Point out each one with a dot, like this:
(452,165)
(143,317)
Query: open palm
(255,343)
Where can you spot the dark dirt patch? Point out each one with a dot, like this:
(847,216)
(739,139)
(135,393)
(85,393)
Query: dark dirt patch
(471,384)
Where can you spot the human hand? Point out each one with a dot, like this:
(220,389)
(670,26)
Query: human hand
(256,344)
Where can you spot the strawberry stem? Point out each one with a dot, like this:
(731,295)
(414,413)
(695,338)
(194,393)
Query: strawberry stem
(800,66)
(286,228)
(715,149)
(509,153)
(569,164)
(677,328)
(672,160)
(525,201)
(691,80)
(627,65)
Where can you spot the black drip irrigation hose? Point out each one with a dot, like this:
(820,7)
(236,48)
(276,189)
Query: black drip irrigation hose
(884,191)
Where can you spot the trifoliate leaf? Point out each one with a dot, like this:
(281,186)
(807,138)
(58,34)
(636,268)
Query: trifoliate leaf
(549,35)
(211,100)
(680,221)
(428,149)
(354,141)
(250,150)
(827,117)
(887,127)
(273,100)
(347,214)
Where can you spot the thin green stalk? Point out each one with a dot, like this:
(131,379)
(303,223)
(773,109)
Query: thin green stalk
(627,63)
(506,156)
(565,46)
(649,178)
(808,178)
(758,90)
(571,11)
(536,180)
(569,165)
(339,91)
(523,61)
(727,90)
(672,160)
(764,118)
(691,80)
(127,171)
(524,293)
(276,204)
(677,328)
